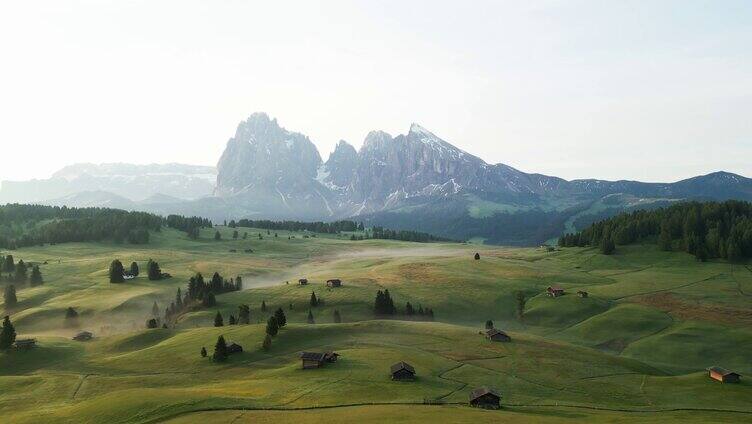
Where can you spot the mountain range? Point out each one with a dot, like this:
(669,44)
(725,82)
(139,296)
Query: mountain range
(410,181)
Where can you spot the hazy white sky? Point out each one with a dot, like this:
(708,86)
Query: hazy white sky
(648,90)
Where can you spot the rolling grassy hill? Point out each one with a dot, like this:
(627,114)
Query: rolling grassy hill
(634,350)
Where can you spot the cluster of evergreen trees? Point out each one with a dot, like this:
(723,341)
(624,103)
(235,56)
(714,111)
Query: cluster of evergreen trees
(383,306)
(7,334)
(317,227)
(204,292)
(191,225)
(19,273)
(404,235)
(704,229)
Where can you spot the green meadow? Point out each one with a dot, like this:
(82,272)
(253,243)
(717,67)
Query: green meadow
(634,350)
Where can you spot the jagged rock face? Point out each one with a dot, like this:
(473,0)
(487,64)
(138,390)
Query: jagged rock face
(262,155)
(339,170)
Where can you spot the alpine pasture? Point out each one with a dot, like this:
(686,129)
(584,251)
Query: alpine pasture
(634,350)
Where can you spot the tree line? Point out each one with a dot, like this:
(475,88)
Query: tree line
(704,229)
(383,307)
(316,227)
(404,235)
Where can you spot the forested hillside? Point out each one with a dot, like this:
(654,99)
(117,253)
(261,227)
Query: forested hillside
(704,229)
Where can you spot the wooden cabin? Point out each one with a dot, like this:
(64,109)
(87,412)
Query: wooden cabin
(312,359)
(335,282)
(723,375)
(402,371)
(497,335)
(485,397)
(331,356)
(582,294)
(234,348)
(555,291)
(303,281)
(25,344)
(477,256)
(83,336)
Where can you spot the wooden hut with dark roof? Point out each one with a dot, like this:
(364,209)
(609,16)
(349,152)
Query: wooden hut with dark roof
(402,371)
(485,397)
(234,348)
(312,359)
(334,282)
(303,281)
(723,375)
(25,344)
(83,336)
(555,291)
(496,335)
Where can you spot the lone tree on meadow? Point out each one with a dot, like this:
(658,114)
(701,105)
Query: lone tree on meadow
(263,306)
(314,301)
(36,276)
(477,256)
(220,350)
(337,317)
(310,317)
(9,295)
(21,272)
(71,316)
(7,334)
(489,324)
(218,321)
(279,314)
(116,272)
(153,270)
(203,352)
(134,269)
(217,235)
(272,326)
(244,314)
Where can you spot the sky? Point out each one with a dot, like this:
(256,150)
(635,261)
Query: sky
(644,90)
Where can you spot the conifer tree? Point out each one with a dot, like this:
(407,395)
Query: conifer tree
(152,323)
(489,324)
(314,301)
(153,270)
(235,234)
(9,295)
(36,276)
(281,318)
(409,309)
(7,334)
(203,352)
(218,321)
(21,273)
(310,317)
(520,302)
(337,317)
(134,269)
(607,246)
(233,321)
(8,264)
(179,300)
(263,306)
(209,300)
(272,326)
(155,309)
(220,350)
(217,235)
(116,272)
(244,314)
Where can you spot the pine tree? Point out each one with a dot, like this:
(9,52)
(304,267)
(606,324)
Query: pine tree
(244,314)
(409,309)
(179,300)
(310,317)
(36,276)
(203,352)
(267,344)
(220,350)
(281,318)
(209,300)
(664,239)
(21,273)
(263,306)
(245,235)
(218,321)
(607,246)
(217,235)
(238,283)
(520,302)
(155,309)
(116,272)
(314,302)
(7,335)
(232,320)
(272,326)
(8,264)
(153,270)
(235,234)
(337,317)
(489,324)
(9,295)
(134,269)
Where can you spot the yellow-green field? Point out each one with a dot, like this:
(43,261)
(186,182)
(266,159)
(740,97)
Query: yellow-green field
(635,350)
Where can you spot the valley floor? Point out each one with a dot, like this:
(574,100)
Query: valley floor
(634,350)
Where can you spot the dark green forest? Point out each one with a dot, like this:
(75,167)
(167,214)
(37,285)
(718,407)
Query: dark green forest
(704,229)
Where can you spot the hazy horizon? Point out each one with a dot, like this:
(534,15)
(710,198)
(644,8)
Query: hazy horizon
(654,92)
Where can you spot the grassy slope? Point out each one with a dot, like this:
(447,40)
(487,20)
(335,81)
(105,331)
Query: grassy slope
(624,348)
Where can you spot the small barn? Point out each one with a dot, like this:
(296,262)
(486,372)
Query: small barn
(312,359)
(234,348)
(25,344)
(723,375)
(83,336)
(555,291)
(402,371)
(485,397)
(497,335)
(303,281)
(582,293)
(334,282)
